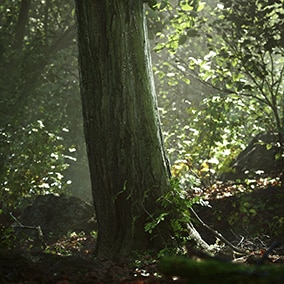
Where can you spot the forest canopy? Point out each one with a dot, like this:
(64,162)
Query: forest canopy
(218,70)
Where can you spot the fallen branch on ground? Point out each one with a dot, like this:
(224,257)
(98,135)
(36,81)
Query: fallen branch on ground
(218,235)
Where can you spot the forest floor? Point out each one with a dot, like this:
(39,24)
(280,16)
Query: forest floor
(250,216)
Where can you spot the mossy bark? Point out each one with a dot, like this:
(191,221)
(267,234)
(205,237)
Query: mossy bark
(128,166)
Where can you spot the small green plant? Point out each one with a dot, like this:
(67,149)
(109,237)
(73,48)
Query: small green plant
(94,234)
(254,216)
(277,226)
(175,209)
(7,237)
(247,209)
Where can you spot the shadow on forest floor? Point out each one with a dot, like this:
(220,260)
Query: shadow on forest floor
(251,217)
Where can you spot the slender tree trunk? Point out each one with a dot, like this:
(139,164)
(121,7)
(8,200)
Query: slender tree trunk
(129,169)
(22,22)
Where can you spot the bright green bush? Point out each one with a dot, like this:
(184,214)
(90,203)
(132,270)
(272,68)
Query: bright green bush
(35,165)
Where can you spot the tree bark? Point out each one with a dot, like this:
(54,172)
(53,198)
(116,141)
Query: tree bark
(128,165)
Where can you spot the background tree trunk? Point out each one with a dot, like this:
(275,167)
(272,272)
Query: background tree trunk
(129,169)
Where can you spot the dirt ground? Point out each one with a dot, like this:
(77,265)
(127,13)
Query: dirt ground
(250,216)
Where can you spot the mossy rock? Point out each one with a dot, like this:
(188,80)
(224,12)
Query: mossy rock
(214,271)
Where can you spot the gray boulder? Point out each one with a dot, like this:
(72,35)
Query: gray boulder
(56,216)
(262,157)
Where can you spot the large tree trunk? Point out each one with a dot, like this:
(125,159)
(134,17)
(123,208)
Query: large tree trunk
(129,170)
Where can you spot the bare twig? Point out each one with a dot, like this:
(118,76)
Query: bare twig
(37,228)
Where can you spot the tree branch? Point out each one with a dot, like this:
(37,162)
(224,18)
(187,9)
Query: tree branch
(63,40)
(37,228)
(22,22)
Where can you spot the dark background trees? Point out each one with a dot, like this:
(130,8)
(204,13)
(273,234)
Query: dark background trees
(40,121)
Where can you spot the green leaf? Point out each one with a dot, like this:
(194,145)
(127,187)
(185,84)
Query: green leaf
(186,7)
(182,39)
(192,33)
(269,146)
(253,211)
(201,6)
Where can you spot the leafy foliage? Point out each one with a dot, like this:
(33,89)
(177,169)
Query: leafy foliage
(34,166)
(176,206)
(222,66)
(245,57)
